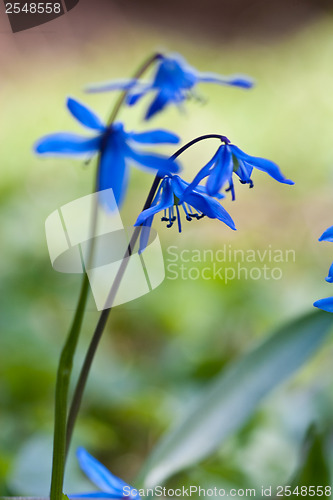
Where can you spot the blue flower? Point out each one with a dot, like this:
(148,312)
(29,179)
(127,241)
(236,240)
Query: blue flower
(229,159)
(115,147)
(172,195)
(326,304)
(173,82)
(111,486)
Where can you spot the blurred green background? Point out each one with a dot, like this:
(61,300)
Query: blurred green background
(159,351)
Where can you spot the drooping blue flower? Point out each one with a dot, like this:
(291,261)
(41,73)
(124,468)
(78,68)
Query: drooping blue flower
(173,82)
(173,195)
(327,303)
(229,159)
(111,486)
(115,146)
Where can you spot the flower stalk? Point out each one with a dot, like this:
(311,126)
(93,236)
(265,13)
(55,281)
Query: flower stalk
(173,82)
(67,355)
(79,389)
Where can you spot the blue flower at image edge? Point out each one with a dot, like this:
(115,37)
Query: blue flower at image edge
(115,146)
(173,194)
(229,159)
(111,486)
(326,304)
(173,82)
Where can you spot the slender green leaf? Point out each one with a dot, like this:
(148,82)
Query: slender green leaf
(313,473)
(228,402)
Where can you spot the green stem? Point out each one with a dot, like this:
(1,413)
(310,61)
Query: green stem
(79,389)
(61,395)
(64,374)
(80,386)
(68,351)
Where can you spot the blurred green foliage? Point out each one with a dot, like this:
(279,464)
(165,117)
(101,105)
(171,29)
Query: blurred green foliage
(314,469)
(160,350)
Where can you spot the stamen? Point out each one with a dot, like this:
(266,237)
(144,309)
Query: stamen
(170,219)
(198,215)
(164,218)
(172,216)
(232,190)
(250,182)
(188,217)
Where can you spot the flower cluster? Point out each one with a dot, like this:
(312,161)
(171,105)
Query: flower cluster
(116,148)
(327,303)
(174,80)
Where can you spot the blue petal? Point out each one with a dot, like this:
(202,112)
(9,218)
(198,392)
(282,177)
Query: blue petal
(244,171)
(113,85)
(221,173)
(203,172)
(174,74)
(132,99)
(325,304)
(329,278)
(159,103)
(241,81)
(180,187)
(157,162)
(84,115)
(145,233)
(210,207)
(137,92)
(154,137)
(262,164)
(203,190)
(166,200)
(65,143)
(113,174)
(327,235)
(145,230)
(99,474)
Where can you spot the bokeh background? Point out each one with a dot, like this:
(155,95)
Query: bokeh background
(159,351)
